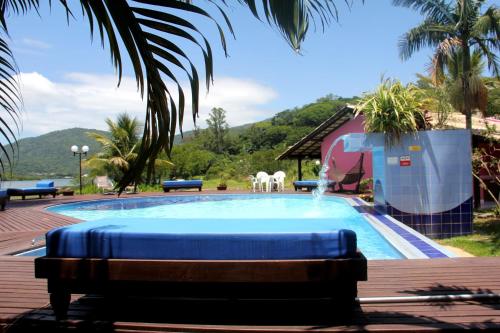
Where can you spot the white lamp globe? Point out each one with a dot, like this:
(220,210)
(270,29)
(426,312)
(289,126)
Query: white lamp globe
(318,162)
(85,149)
(74,148)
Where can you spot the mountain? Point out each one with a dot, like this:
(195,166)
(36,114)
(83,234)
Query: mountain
(50,154)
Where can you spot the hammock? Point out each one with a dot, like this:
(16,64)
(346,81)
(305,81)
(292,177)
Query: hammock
(353,176)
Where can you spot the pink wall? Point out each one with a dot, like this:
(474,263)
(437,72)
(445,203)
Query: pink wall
(345,161)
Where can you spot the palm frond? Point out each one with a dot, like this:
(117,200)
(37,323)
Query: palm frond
(491,57)
(428,34)
(147,32)
(488,24)
(15,7)
(444,54)
(436,10)
(10,103)
(292,18)
(147,29)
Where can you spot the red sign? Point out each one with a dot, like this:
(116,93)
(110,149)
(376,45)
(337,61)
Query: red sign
(404,161)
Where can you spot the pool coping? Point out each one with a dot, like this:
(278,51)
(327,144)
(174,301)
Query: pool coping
(410,242)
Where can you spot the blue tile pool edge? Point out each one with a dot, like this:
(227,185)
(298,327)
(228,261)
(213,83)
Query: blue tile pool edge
(413,244)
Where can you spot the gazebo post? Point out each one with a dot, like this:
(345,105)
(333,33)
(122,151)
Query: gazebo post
(299,167)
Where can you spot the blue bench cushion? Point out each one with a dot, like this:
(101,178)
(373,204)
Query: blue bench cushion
(201,239)
(183,183)
(31,190)
(306,182)
(45,183)
(310,183)
(3,193)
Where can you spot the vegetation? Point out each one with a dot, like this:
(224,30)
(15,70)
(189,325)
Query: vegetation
(393,109)
(219,154)
(484,242)
(455,29)
(486,162)
(158,41)
(435,97)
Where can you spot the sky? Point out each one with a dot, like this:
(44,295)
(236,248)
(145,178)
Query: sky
(67,80)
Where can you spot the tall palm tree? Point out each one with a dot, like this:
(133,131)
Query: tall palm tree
(457,26)
(149,31)
(119,150)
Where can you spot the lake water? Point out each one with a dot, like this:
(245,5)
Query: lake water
(30,183)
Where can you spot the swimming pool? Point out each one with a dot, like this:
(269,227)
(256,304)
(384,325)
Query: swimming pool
(379,235)
(332,212)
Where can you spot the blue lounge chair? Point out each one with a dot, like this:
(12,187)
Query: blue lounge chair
(229,258)
(182,184)
(3,199)
(309,185)
(43,187)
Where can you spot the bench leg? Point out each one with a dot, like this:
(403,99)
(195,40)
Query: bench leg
(23,197)
(199,189)
(59,300)
(166,190)
(53,195)
(2,204)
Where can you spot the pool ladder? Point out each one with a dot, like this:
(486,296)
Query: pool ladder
(36,240)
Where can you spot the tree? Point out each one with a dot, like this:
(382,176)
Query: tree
(217,127)
(118,150)
(149,32)
(457,27)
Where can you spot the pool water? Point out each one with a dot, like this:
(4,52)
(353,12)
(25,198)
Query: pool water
(336,212)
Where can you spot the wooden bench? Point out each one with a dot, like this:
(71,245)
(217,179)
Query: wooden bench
(335,279)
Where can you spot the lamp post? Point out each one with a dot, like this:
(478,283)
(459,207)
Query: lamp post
(77,151)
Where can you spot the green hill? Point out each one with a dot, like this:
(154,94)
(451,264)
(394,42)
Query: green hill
(50,154)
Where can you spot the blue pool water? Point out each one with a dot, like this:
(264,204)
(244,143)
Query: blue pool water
(336,211)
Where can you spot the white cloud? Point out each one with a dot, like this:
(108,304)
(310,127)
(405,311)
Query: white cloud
(243,100)
(85,100)
(37,44)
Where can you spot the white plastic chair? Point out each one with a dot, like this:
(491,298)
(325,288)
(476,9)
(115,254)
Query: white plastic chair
(263,178)
(279,178)
(254,181)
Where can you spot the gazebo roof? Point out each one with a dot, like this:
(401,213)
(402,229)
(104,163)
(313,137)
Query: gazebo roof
(310,145)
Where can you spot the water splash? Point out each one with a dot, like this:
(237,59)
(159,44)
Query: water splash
(323,180)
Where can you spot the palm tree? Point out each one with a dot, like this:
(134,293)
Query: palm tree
(456,27)
(443,86)
(119,150)
(149,31)
(452,79)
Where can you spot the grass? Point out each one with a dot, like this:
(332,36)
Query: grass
(484,242)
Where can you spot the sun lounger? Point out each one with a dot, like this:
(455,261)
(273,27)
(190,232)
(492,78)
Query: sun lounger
(182,184)
(3,199)
(309,185)
(104,185)
(43,187)
(268,259)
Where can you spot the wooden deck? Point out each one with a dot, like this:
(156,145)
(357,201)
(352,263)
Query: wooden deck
(24,299)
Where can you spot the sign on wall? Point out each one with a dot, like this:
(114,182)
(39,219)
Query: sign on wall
(404,161)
